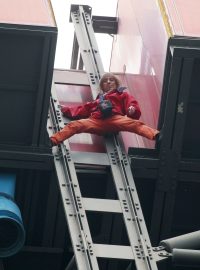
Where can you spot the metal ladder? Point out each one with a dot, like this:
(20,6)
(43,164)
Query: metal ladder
(75,206)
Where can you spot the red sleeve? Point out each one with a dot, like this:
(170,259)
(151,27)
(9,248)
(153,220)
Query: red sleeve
(131,101)
(78,112)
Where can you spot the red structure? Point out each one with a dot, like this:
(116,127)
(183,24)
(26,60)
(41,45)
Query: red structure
(29,12)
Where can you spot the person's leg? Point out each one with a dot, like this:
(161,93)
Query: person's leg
(102,126)
(95,126)
(124,123)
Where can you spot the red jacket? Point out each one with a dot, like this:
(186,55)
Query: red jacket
(121,101)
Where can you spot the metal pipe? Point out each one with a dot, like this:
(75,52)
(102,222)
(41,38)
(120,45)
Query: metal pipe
(7,184)
(186,241)
(186,257)
(12,234)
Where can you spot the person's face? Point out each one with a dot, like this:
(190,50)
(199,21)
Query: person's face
(109,84)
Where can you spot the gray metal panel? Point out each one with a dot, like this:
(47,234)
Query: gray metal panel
(113,251)
(88,158)
(21,157)
(104,24)
(181,83)
(27,56)
(102,205)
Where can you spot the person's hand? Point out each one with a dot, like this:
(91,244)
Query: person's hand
(131,110)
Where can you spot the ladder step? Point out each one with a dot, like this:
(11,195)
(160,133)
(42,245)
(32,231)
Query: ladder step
(102,205)
(113,251)
(87,158)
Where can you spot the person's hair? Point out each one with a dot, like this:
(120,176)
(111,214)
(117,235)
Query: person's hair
(117,81)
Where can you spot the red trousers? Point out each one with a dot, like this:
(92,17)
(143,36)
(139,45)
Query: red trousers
(112,124)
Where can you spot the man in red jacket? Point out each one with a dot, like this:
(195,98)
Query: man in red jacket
(114,110)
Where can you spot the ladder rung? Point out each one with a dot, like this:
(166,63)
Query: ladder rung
(113,251)
(85,158)
(102,205)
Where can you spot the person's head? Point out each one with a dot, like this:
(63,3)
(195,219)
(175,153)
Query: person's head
(109,82)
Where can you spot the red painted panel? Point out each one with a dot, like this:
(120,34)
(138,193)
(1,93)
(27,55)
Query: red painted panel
(139,52)
(70,95)
(29,12)
(140,46)
(143,88)
(184,17)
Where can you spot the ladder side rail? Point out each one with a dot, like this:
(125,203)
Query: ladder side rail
(86,20)
(130,183)
(132,212)
(71,195)
(122,172)
(89,50)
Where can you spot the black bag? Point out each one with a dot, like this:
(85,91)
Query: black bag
(105,106)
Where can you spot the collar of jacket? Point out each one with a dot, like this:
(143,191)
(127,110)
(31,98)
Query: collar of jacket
(119,90)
